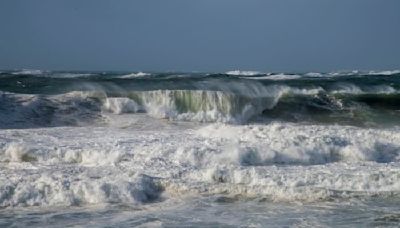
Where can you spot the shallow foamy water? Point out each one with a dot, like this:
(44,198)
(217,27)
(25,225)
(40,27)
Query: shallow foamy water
(142,171)
(213,211)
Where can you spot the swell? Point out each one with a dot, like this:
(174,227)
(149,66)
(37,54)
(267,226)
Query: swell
(30,111)
(367,110)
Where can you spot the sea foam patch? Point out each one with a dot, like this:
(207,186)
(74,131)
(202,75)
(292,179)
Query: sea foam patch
(276,161)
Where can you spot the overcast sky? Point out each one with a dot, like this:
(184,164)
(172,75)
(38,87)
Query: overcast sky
(200,35)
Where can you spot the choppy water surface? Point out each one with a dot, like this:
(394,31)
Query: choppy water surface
(196,149)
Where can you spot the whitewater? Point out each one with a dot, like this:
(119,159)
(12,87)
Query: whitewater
(241,148)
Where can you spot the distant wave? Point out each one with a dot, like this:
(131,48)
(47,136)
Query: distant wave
(243,73)
(387,72)
(135,75)
(361,73)
(70,75)
(28,72)
(314,74)
(239,73)
(276,77)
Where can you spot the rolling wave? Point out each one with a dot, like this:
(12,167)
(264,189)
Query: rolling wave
(345,104)
(33,98)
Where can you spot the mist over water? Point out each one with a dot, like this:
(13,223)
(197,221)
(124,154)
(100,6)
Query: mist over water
(240,148)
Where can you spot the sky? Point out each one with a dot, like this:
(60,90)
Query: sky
(200,35)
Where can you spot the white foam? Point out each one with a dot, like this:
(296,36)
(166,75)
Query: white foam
(28,72)
(57,188)
(119,105)
(92,158)
(243,73)
(276,77)
(381,89)
(203,106)
(69,75)
(288,144)
(314,74)
(277,161)
(348,88)
(135,75)
(216,106)
(16,152)
(343,73)
(386,72)
(357,72)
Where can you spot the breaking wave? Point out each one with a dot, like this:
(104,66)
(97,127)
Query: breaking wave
(28,72)
(347,104)
(386,72)
(243,73)
(134,75)
(133,143)
(76,99)
(276,77)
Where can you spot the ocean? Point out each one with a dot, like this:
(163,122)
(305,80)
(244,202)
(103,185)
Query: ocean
(233,149)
